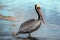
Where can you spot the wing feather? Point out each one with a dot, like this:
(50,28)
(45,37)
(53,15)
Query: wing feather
(27,24)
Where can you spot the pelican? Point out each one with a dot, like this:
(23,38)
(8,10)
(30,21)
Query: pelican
(32,24)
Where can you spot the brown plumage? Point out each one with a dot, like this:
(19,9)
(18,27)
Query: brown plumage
(30,25)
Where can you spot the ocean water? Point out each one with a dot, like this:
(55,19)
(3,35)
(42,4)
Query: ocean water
(24,10)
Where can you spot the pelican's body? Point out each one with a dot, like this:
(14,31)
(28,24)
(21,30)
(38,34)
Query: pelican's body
(30,25)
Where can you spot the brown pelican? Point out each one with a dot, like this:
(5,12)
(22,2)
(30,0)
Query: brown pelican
(32,24)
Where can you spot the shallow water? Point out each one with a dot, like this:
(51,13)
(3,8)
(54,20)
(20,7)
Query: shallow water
(25,11)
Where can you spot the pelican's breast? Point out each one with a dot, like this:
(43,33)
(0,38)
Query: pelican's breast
(37,24)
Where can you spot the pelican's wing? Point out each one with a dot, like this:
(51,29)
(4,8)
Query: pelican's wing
(33,27)
(27,24)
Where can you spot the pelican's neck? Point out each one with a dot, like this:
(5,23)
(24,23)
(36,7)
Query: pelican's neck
(38,14)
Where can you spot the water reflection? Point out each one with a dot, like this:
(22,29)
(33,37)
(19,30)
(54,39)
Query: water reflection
(31,38)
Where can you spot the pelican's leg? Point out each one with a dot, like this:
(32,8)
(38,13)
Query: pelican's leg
(29,35)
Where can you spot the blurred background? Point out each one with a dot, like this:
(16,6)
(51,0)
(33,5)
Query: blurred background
(15,12)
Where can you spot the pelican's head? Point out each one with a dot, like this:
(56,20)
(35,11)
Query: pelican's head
(37,5)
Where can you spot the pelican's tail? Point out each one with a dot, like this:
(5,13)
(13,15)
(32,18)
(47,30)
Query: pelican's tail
(17,33)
